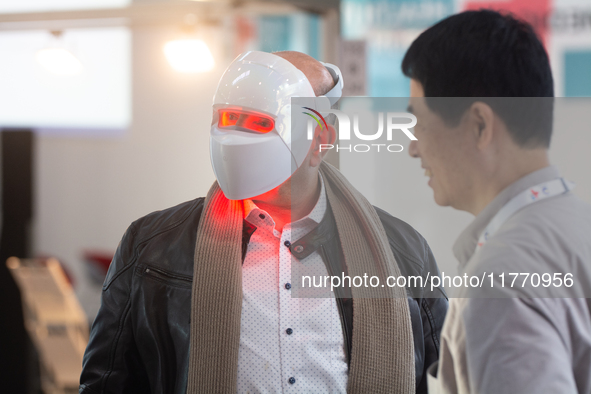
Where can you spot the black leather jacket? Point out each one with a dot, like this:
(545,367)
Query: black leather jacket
(139,341)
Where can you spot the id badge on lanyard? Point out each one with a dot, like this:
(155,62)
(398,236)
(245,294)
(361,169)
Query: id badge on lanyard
(533,194)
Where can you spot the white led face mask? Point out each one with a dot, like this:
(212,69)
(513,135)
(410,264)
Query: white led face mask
(255,144)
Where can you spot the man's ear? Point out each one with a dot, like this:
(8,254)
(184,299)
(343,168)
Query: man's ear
(324,138)
(482,120)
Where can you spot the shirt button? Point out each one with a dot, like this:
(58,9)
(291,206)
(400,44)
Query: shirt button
(298,249)
(291,380)
(262,216)
(287,243)
(288,286)
(289,331)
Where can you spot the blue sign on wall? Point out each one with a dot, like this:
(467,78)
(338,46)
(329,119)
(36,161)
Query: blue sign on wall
(577,73)
(386,26)
(299,32)
(360,16)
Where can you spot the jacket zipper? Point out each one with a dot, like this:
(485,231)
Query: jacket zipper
(155,272)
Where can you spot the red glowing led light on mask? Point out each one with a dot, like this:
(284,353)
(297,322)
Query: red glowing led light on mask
(244,120)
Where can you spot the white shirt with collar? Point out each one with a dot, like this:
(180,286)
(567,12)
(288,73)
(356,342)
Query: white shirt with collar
(287,345)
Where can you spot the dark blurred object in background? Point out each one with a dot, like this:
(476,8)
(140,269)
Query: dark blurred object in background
(16,355)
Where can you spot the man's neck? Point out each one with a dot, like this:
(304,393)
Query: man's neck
(507,173)
(289,203)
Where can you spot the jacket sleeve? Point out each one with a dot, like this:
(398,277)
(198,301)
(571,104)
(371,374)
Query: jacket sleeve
(433,310)
(111,363)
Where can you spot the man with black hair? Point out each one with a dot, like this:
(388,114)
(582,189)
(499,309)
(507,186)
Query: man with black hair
(482,92)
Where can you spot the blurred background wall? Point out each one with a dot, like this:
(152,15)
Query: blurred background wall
(99,126)
(129,134)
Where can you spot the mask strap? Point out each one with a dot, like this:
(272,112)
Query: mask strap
(337,91)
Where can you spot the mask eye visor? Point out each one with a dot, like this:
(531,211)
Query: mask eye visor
(239,119)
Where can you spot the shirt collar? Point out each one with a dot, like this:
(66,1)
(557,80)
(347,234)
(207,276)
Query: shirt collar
(249,206)
(465,245)
(251,210)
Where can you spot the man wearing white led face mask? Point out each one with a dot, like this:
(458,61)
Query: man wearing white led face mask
(198,297)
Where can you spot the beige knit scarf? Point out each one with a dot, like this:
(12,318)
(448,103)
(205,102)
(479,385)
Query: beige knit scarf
(382,355)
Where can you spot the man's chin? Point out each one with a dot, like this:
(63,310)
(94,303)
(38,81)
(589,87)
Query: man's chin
(276,193)
(439,199)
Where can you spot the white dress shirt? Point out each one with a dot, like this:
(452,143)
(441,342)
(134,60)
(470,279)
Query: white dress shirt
(287,345)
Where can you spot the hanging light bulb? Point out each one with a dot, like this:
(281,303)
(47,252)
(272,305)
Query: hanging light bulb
(189,54)
(58,60)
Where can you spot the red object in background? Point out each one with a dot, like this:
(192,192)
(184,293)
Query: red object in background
(535,12)
(97,264)
(246,31)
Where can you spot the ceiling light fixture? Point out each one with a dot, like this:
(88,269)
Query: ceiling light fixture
(58,60)
(189,54)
